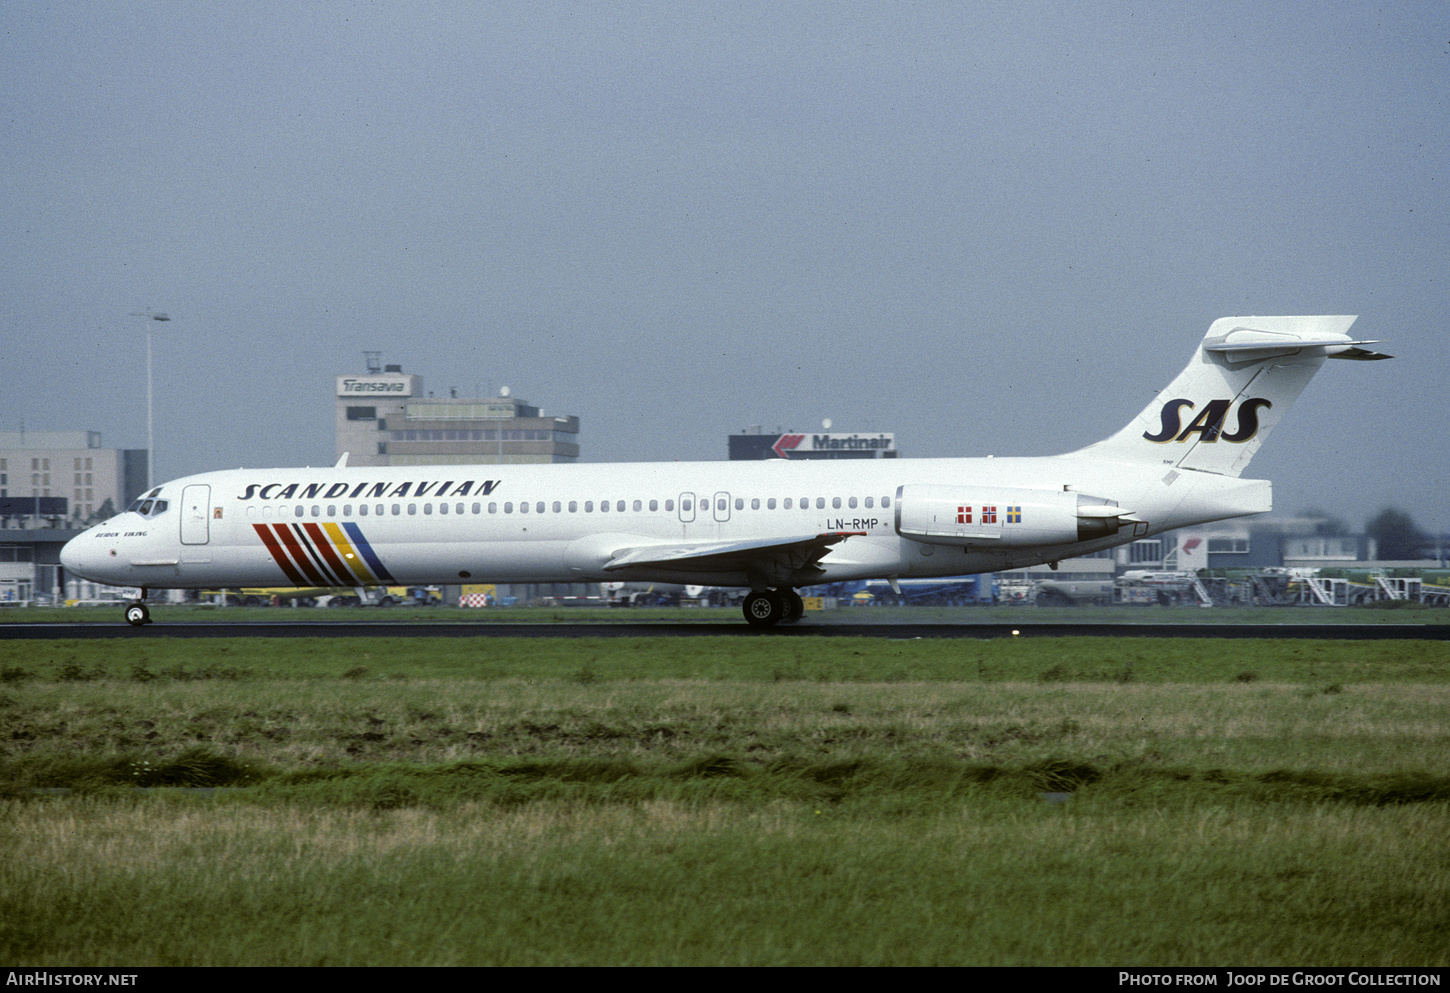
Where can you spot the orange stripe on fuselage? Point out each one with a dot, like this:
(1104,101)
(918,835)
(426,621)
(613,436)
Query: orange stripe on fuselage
(349,554)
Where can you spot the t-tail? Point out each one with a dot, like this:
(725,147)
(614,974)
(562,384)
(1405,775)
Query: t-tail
(1246,374)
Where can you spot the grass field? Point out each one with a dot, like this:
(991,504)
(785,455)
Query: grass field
(703,801)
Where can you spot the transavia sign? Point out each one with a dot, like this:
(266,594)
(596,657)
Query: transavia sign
(372,386)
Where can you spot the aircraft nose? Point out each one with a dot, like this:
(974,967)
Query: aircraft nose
(77,559)
(70,556)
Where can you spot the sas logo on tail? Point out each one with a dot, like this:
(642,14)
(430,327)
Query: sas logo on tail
(1208,425)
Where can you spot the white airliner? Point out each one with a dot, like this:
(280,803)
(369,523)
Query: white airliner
(772,526)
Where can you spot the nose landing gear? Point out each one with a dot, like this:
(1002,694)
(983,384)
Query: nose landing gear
(137,612)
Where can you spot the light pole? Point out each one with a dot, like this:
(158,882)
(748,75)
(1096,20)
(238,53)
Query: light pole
(150,422)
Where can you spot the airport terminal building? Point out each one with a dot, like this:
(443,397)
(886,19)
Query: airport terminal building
(66,475)
(51,484)
(383,417)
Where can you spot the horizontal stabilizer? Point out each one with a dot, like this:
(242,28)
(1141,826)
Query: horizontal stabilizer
(1335,348)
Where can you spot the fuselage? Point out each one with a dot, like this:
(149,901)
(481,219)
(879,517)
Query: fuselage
(773,526)
(569,523)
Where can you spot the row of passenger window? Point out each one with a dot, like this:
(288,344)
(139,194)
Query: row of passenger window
(687,505)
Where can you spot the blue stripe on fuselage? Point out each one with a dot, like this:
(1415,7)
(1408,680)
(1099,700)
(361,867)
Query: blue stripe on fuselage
(367,552)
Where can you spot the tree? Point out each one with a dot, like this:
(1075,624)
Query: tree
(106,510)
(1395,535)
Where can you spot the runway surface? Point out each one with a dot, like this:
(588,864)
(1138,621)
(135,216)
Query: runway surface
(806,629)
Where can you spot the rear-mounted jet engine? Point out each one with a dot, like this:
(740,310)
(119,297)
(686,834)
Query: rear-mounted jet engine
(1003,517)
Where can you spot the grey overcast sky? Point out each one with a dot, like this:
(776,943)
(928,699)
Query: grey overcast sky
(992,228)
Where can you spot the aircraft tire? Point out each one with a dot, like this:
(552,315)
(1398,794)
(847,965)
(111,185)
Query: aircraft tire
(137,615)
(795,607)
(763,608)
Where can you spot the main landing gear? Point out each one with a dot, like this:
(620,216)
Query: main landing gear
(767,608)
(137,613)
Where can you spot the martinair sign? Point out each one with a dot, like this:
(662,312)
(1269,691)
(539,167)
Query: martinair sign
(802,443)
(380,386)
(812,446)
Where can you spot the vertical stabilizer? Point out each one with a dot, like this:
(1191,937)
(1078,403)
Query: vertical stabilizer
(1246,374)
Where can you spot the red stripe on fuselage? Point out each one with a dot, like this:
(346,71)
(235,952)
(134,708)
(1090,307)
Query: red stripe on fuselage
(329,554)
(318,562)
(299,552)
(279,554)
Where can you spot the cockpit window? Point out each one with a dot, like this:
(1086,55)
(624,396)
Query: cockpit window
(149,508)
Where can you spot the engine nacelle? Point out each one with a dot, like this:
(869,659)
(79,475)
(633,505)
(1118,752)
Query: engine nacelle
(1002,516)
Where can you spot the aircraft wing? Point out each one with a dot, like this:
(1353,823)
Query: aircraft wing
(772,556)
